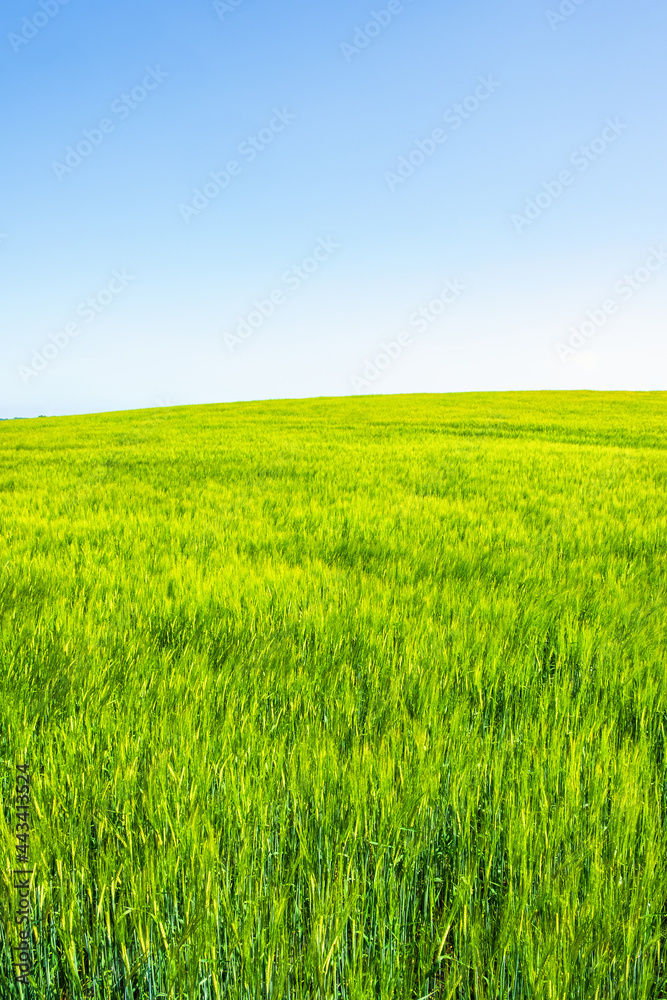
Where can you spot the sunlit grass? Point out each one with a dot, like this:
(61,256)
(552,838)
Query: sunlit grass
(354,698)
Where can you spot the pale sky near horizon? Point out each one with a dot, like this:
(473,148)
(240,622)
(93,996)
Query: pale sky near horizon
(219,200)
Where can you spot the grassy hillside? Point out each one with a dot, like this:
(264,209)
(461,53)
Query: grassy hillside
(357,698)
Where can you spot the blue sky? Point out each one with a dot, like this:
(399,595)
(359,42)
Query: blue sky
(311,267)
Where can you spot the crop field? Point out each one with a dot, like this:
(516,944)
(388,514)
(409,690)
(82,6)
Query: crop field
(337,698)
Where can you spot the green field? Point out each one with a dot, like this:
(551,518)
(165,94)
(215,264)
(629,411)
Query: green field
(339,698)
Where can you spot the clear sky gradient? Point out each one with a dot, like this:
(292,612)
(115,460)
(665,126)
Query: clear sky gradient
(410,197)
